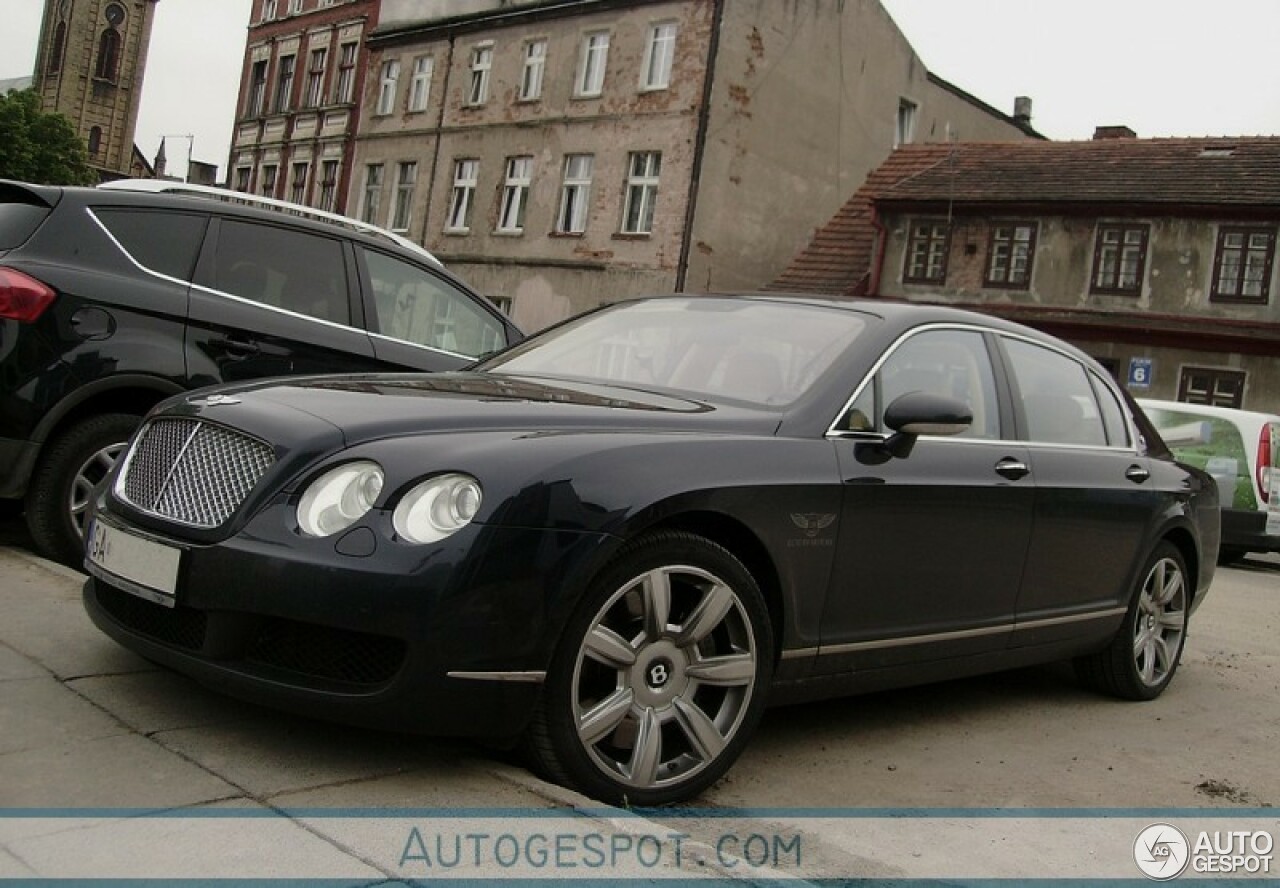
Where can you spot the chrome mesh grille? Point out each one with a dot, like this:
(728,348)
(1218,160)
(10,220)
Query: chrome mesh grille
(192,472)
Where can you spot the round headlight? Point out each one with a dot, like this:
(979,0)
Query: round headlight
(437,508)
(339,497)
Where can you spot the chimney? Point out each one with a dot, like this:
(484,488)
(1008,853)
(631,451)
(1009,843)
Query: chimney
(1114,132)
(1022,110)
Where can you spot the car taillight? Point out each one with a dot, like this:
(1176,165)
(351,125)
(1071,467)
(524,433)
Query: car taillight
(22,298)
(1263,468)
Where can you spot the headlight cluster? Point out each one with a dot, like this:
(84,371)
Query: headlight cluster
(429,512)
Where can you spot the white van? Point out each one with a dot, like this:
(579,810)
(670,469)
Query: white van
(1241,450)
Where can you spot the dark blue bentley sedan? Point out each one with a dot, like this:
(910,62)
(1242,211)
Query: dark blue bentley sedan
(618,541)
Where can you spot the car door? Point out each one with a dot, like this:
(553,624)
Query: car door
(273,300)
(1094,493)
(420,318)
(931,546)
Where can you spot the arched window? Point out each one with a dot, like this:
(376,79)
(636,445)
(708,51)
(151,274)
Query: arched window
(108,55)
(95,140)
(58,49)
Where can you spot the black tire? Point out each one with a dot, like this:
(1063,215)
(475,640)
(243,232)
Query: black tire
(692,623)
(1140,661)
(61,485)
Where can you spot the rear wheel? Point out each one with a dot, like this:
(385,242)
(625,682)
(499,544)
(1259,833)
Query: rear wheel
(1142,658)
(660,677)
(62,486)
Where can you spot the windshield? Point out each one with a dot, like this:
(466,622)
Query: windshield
(762,352)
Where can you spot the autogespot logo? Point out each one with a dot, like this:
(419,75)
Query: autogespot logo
(1161,851)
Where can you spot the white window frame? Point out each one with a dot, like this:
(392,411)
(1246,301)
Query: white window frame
(329,184)
(905,128)
(387,81)
(466,173)
(371,195)
(268,180)
(575,194)
(592,61)
(298,185)
(269,10)
(295,7)
(659,56)
(420,84)
(535,66)
(515,194)
(286,70)
(481,64)
(402,205)
(643,171)
(256,103)
(318,59)
(344,89)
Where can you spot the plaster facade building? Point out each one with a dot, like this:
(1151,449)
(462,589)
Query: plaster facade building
(1157,256)
(564,154)
(89,67)
(296,116)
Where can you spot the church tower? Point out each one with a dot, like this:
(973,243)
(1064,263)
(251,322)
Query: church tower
(89,67)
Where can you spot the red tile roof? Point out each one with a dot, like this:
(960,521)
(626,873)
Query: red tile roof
(1231,173)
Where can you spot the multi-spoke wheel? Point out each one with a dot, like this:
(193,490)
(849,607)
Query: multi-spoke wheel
(63,483)
(1140,661)
(660,677)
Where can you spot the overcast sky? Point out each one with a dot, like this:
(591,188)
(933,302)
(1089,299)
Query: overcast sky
(1162,67)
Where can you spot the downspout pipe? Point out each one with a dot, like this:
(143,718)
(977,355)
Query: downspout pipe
(699,145)
(877,262)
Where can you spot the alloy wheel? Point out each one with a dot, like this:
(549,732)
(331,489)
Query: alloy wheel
(86,478)
(1161,622)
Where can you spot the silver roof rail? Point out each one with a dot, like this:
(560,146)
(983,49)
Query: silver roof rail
(168,186)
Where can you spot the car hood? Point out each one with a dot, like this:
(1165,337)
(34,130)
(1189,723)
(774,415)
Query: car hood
(365,407)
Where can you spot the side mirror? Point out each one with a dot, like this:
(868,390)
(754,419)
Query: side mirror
(921,413)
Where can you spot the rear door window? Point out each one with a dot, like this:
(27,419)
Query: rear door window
(1057,398)
(162,241)
(293,270)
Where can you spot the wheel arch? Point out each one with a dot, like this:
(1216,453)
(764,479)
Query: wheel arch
(127,393)
(1182,540)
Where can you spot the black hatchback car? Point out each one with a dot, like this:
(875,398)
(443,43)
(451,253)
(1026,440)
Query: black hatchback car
(621,538)
(112,299)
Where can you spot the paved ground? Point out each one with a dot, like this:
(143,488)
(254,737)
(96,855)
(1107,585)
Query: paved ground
(86,725)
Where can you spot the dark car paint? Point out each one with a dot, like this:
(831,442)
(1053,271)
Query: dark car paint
(571,471)
(121,334)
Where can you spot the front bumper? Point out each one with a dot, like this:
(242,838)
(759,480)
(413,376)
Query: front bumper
(370,639)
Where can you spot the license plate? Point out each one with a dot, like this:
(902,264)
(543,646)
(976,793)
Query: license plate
(149,568)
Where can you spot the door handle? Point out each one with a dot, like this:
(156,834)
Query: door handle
(1013,469)
(239,347)
(1137,474)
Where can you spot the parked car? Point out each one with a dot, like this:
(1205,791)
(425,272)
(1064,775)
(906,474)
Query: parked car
(621,538)
(114,298)
(1241,450)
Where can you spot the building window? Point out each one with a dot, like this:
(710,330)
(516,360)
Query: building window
(1242,265)
(927,249)
(515,194)
(591,65)
(643,168)
(535,62)
(346,75)
(406,176)
(1213,386)
(328,185)
(481,62)
(372,201)
(659,56)
(1119,257)
(108,55)
(257,89)
(268,10)
(1012,251)
(295,7)
(387,86)
(269,180)
(242,178)
(906,130)
(503,304)
(95,140)
(315,77)
(59,48)
(420,85)
(298,187)
(575,195)
(465,173)
(284,83)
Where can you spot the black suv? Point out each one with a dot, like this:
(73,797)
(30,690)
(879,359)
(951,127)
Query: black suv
(113,298)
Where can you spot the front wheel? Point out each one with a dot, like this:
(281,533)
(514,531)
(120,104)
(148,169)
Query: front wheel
(62,486)
(660,676)
(1140,661)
